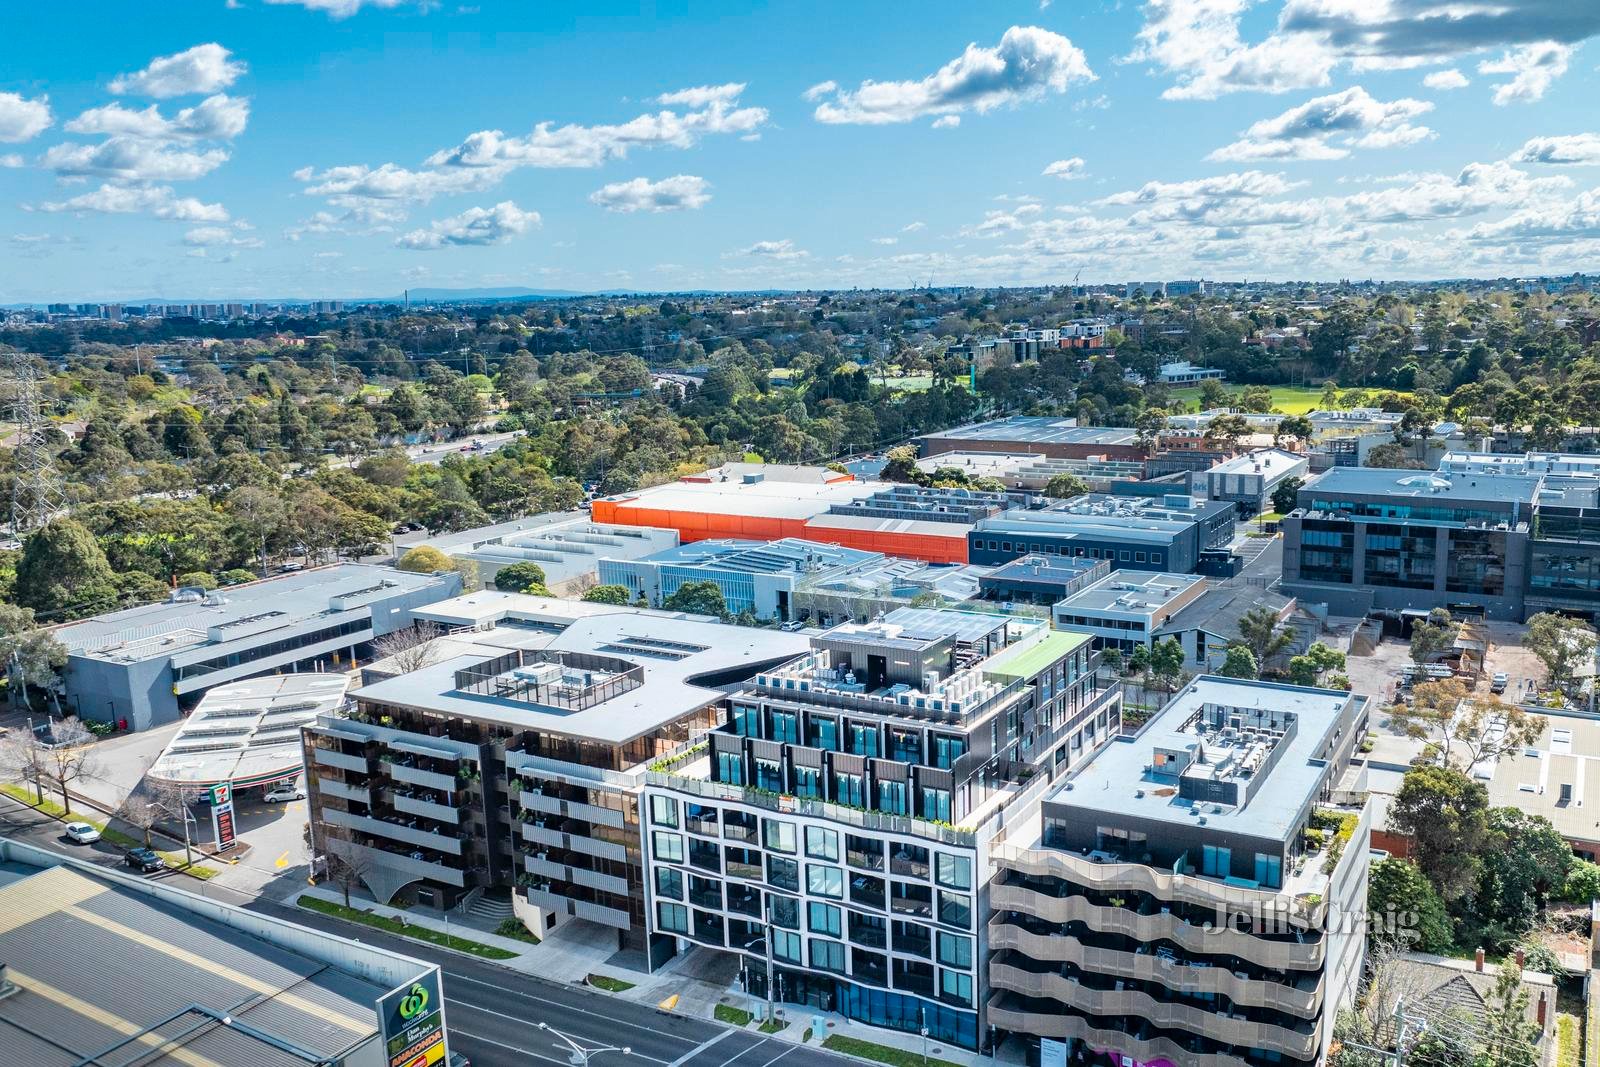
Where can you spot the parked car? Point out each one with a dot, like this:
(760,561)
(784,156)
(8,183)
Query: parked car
(81,833)
(458,1060)
(144,860)
(1499,682)
(792,627)
(283,794)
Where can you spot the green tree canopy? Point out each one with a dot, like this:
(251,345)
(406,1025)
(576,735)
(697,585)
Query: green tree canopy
(698,598)
(63,574)
(1404,908)
(1261,632)
(1561,643)
(609,594)
(524,577)
(1445,813)
(425,559)
(1065,485)
(1239,663)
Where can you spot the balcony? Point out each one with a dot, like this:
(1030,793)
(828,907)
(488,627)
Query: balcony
(543,835)
(1232,1029)
(414,806)
(543,868)
(540,802)
(330,757)
(601,914)
(594,846)
(415,864)
(1303,999)
(594,814)
(606,883)
(444,783)
(1274,955)
(333,787)
(394,831)
(1004,1014)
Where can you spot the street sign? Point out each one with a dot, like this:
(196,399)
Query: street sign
(222,827)
(1052,1053)
(412,1021)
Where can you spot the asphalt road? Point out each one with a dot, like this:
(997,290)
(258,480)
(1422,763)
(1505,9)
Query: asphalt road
(494,1013)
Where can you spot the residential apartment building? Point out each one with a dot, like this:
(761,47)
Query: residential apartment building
(514,767)
(1170,906)
(835,831)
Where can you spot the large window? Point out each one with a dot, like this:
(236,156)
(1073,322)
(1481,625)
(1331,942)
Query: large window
(783,874)
(823,733)
(849,789)
(954,872)
(1400,556)
(746,720)
(783,911)
(936,804)
(946,750)
(955,986)
(786,946)
(730,768)
(823,919)
(1216,861)
(663,811)
(769,776)
(824,881)
(822,844)
(673,918)
(778,836)
(955,909)
(1477,562)
(894,797)
(669,883)
(864,740)
(955,950)
(667,847)
(783,726)
(827,955)
(807,782)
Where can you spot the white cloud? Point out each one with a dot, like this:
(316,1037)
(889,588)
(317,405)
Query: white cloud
(218,237)
(1066,169)
(947,122)
(205,68)
(819,90)
(1478,188)
(126,159)
(1200,43)
(11,161)
(1534,68)
(783,249)
(1250,184)
(1027,63)
(340,9)
(913,227)
(1309,131)
(475,226)
(1446,80)
(156,200)
(347,186)
(22,119)
(886,240)
(1582,149)
(640,194)
(1578,218)
(703,95)
(216,118)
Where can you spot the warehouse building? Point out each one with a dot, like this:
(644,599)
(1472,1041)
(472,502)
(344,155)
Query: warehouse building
(758,577)
(142,666)
(1036,435)
(569,548)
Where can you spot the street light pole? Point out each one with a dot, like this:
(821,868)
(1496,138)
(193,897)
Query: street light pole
(766,940)
(581,1053)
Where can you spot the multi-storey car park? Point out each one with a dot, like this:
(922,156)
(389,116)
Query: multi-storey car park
(1170,906)
(835,830)
(515,769)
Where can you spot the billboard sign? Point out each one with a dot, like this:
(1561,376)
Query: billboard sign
(412,1021)
(222,827)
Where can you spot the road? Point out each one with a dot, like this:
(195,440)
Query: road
(493,1012)
(434,453)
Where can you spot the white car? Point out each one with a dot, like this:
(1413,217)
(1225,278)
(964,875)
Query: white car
(82,833)
(283,794)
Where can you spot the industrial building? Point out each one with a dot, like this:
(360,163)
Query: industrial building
(1171,533)
(835,831)
(758,577)
(1169,906)
(1248,481)
(1056,438)
(568,548)
(103,968)
(141,666)
(515,769)
(247,734)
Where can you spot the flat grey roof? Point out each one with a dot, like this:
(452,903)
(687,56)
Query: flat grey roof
(669,692)
(1113,779)
(1133,592)
(100,966)
(1411,485)
(1037,430)
(1044,568)
(157,631)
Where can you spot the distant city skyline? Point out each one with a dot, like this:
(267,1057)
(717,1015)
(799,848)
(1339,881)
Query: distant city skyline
(302,149)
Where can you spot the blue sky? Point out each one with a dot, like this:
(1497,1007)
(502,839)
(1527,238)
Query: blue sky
(268,148)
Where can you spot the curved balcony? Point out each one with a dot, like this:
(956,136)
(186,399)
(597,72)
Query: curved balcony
(1137,1004)
(1068,1027)
(1274,955)
(1148,967)
(1307,912)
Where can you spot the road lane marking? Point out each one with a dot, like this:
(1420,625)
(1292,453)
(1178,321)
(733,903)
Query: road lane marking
(501,1044)
(758,1043)
(525,1022)
(699,1049)
(780,1056)
(282,861)
(454,976)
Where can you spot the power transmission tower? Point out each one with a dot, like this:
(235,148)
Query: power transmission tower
(36,491)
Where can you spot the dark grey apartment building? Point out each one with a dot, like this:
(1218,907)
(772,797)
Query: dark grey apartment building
(835,831)
(1170,906)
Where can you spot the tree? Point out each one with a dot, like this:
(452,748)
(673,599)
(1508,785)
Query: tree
(1405,910)
(901,466)
(1261,632)
(410,649)
(1561,643)
(1435,634)
(1212,394)
(425,559)
(63,574)
(1392,455)
(1464,730)
(1583,883)
(1224,431)
(1065,485)
(698,598)
(1166,664)
(609,594)
(1296,428)
(1524,862)
(1111,659)
(1240,663)
(524,577)
(29,656)
(22,759)
(346,869)
(1308,669)
(1445,813)
(69,757)
(1286,495)
(1509,1039)
(257,515)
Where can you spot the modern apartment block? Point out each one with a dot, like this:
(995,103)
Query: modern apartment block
(515,766)
(1170,906)
(835,831)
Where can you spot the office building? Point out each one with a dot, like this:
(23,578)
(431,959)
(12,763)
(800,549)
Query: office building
(1041,579)
(1169,533)
(1566,466)
(1186,373)
(864,593)
(1125,610)
(514,768)
(1248,481)
(914,522)
(568,549)
(1208,624)
(1170,907)
(1055,438)
(758,577)
(140,667)
(247,734)
(834,832)
(103,968)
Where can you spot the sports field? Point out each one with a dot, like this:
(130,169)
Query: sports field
(1285,398)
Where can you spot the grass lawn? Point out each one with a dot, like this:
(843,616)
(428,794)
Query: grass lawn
(415,933)
(108,835)
(898,1057)
(610,985)
(1290,400)
(1567,1040)
(772,1026)
(911,383)
(727,1013)
(514,929)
